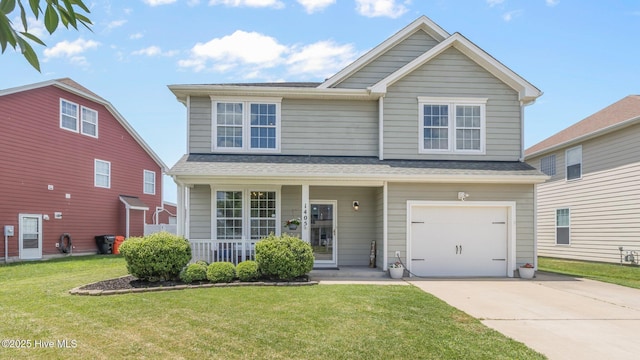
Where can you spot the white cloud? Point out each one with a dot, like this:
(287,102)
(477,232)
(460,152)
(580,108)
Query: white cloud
(241,47)
(493,3)
(115,24)
(158,2)
(508,16)
(552,2)
(70,50)
(277,4)
(193,2)
(35,27)
(136,36)
(321,59)
(312,6)
(154,51)
(377,8)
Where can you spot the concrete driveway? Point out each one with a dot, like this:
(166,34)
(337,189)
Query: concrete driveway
(561,317)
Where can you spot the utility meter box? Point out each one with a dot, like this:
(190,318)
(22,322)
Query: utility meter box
(8,230)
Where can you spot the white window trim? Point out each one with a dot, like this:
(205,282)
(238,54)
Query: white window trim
(555,227)
(452,102)
(566,164)
(81,120)
(95,173)
(246,123)
(77,115)
(144,182)
(246,208)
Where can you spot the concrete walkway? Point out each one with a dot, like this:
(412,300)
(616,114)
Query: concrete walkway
(561,317)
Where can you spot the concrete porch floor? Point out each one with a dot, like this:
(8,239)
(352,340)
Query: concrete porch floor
(351,274)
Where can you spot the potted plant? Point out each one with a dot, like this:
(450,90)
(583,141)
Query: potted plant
(396,270)
(292,224)
(527,271)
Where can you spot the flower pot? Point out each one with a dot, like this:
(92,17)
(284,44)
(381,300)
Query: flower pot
(396,273)
(293,226)
(527,273)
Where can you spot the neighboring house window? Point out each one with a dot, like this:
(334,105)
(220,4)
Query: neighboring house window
(89,122)
(246,125)
(232,210)
(563,229)
(548,165)
(149,182)
(452,125)
(102,173)
(68,115)
(574,163)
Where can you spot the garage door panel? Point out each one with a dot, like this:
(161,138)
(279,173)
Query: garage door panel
(459,241)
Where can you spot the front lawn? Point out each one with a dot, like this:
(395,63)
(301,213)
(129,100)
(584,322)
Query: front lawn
(625,275)
(310,322)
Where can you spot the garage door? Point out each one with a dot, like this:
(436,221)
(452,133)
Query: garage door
(458,240)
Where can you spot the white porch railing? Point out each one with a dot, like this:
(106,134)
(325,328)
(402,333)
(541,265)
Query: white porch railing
(234,251)
(154,228)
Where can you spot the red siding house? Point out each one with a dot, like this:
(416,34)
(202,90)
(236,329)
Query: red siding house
(70,167)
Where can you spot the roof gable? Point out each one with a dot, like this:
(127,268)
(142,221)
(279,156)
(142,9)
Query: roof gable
(619,114)
(73,87)
(527,92)
(422,23)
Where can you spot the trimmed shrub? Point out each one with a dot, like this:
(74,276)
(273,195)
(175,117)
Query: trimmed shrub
(194,272)
(247,270)
(284,257)
(156,257)
(221,272)
(202,262)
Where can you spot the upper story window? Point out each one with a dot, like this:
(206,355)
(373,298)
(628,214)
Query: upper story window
(89,122)
(102,173)
(251,125)
(149,182)
(68,115)
(78,118)
(574,163)
(452,125)
(548,165)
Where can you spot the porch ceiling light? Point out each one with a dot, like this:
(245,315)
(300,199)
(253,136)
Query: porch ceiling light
(356,205)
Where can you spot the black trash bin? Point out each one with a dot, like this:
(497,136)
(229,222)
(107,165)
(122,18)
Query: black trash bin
(105,243)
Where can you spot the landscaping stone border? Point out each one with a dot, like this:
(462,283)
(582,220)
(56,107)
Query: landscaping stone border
(79,291)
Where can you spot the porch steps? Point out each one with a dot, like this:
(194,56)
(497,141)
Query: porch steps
(349,273)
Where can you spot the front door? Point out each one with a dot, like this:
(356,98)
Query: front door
(30,240)
(323,235)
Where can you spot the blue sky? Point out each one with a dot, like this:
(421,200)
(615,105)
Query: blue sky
(583,55)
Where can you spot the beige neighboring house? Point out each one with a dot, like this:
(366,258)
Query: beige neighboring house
(415,148)
(591,205)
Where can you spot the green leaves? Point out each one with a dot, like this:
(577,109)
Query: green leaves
(56,12)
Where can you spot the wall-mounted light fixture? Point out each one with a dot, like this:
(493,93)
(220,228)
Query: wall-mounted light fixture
(462,195)
(356,205)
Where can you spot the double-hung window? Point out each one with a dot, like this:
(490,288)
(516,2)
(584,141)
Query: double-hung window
(574,163)
(246,125)
(89,122)
(102,173)
(78,118)
(548,165)
(455,125)
(149,182)
(563,229)
(68,115)
(245,213)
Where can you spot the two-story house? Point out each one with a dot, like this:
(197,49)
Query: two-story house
(415,148)
(72,168)
(590,207)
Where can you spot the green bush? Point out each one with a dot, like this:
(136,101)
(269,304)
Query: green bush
(194,272)
(221,272)
(284,257)
(156,257)
(247,270)
(202,262)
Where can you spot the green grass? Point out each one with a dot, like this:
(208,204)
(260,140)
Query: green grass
(625,275)
(310,322)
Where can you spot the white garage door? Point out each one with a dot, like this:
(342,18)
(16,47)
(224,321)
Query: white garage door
(458,241)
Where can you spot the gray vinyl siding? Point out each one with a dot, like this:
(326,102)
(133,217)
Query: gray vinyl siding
(355,230)
(452,74)
(200,212)
(200,131)
(604,205)
(387,63)
(329,127)
(400,193)
(291,207)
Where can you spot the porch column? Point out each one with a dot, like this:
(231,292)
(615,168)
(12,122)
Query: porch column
(305,231)
(385,224)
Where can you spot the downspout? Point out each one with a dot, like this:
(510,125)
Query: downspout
(381,128)
(522,105)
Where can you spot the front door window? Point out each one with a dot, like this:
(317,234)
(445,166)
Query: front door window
(30,236)
(323,232)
